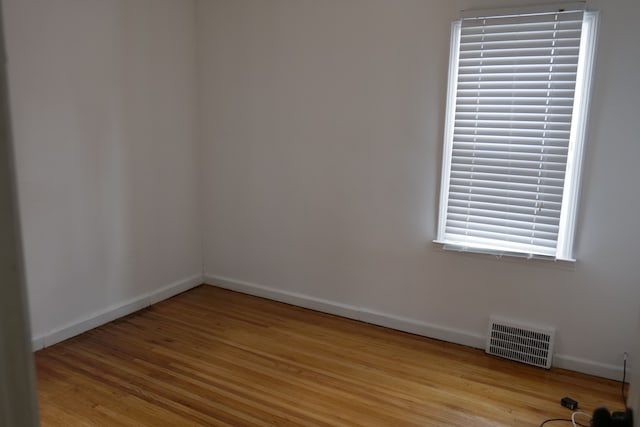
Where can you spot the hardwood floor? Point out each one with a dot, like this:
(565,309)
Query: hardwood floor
(214,357)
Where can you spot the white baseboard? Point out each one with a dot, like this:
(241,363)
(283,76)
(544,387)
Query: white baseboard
(430,330)
(352,312)
(590,367)
(424,329)
(294,298)
(114,312)
(326,306)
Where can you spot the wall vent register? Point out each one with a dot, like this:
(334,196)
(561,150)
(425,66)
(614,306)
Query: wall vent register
(520,342)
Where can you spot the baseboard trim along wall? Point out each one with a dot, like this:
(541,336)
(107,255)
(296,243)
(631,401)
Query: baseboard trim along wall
(301,300)
(400,323)
(590,367)
(114,312)
(351,312)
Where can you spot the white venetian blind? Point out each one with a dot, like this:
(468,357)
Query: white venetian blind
(514,100)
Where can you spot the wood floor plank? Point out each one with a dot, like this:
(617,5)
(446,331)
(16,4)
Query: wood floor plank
(212,357)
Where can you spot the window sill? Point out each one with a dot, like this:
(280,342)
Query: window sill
(499,254)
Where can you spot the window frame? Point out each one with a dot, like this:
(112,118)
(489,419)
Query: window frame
(577,139)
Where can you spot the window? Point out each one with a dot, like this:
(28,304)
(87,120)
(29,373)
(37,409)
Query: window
(514,131)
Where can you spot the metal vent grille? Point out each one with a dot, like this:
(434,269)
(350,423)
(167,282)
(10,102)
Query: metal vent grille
(519,342)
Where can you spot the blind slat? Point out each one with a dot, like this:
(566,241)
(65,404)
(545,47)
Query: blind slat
(502,228)
(520,216)
(515,198)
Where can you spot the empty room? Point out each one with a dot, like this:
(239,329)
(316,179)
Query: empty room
(320,213)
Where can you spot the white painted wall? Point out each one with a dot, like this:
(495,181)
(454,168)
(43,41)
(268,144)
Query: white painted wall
(322,127)
(103,105)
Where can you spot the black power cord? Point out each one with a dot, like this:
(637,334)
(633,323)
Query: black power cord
(550,420)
